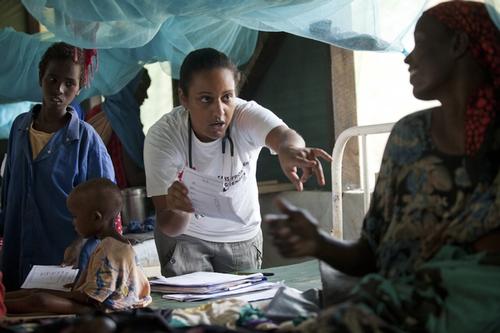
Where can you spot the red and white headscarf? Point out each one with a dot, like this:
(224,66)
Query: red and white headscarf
(473,19)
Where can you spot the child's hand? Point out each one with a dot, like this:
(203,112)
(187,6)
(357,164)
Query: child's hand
(72,253)
(71,257)
(69,285)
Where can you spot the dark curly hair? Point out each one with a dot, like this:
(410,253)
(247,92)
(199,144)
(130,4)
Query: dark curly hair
(106,195)
(64,51)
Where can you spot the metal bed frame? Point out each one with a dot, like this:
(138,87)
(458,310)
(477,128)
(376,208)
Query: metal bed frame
(336,170)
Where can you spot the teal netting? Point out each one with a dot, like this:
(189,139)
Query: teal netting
(130,33)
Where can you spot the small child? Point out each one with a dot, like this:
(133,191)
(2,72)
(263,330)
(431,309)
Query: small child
(112,279)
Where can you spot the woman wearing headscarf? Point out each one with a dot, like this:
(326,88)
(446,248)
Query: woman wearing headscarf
(429,250)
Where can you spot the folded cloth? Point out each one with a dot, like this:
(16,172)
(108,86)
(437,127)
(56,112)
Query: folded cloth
(225,312)
(290,303)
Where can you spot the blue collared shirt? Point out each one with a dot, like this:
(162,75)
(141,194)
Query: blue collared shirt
(36,224)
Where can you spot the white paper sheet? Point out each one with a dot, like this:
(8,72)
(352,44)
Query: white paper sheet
(258,296)
(197,279)
(49,277)
(205,193)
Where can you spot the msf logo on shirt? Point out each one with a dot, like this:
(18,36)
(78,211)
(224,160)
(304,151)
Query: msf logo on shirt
(232,180)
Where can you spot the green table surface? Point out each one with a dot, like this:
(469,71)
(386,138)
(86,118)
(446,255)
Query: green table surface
(301,276)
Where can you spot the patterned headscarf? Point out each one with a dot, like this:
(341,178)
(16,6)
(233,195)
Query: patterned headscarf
(472,18)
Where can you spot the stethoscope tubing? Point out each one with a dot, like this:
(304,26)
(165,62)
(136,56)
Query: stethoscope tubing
(190,143)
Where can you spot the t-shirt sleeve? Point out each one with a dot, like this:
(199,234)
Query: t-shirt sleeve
(255,122)
(161,162)
(105,272)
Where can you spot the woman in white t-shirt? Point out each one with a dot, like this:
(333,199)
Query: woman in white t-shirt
(218,135)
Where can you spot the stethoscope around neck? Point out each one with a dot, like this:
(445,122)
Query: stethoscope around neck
(226,137)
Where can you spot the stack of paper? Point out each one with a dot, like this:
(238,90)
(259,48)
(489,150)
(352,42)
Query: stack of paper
(209,285)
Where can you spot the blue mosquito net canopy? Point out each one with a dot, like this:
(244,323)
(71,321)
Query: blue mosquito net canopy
(131,33)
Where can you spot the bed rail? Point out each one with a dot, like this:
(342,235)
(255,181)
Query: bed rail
(336,170)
